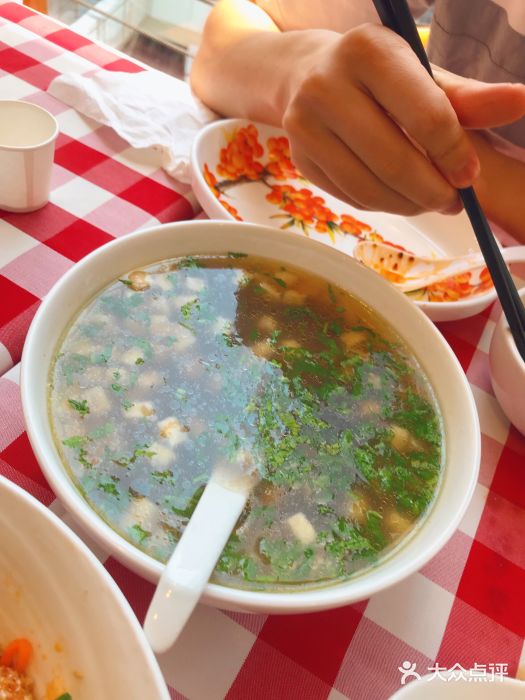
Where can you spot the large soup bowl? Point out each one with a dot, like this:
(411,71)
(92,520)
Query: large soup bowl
(460,422)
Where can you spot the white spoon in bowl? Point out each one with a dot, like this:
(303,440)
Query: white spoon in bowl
(409,272)
(195,556)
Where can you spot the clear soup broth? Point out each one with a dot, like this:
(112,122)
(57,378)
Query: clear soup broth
(193,362)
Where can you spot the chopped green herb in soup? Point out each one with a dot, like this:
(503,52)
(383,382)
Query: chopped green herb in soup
(194,362)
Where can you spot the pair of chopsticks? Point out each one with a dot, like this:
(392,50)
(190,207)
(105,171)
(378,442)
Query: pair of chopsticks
(396,15)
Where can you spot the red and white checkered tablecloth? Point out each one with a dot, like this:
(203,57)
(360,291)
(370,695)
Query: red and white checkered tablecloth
(101,188)
(467,606)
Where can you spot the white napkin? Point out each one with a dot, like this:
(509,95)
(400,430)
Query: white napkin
(147,109)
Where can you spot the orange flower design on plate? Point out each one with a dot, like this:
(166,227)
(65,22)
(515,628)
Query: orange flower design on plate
(280,164)
(238,158)
(240,162)
(212,183)
(243,160)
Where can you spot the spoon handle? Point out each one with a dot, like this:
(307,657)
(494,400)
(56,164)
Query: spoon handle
(191,565)
(515,254)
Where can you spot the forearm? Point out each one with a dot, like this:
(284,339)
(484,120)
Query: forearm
(347,97)
(501,188)
(245,63)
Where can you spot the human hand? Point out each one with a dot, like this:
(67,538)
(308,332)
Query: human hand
(369,125)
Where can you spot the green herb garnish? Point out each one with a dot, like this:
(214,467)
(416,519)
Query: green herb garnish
(80,406)
(75,441)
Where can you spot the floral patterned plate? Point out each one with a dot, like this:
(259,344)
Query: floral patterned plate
(243,171)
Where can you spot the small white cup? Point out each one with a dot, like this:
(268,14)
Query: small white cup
(27,145)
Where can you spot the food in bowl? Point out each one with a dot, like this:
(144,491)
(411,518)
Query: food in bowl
(15,684)
(190,362)
(15,681)
(460,426)
(60,603)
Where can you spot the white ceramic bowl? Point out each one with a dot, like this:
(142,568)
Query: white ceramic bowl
(461,428)
(56,593)
(507,372)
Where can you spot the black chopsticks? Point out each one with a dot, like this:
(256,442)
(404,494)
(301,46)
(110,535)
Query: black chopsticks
(396,15)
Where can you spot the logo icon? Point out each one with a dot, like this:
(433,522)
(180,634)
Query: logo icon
(407,671)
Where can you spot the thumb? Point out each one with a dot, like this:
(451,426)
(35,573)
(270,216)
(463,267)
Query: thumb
(481,105)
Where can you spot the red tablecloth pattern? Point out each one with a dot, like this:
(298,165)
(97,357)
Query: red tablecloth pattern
(465,607)
(101,187)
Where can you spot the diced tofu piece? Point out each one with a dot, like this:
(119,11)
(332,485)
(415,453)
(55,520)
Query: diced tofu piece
(236,473)
(143,512)
(293,298)
(93,375)
(262,348)
(302,528)
(194,368)
(84,346)
(352,339)
(195,284)
(173,431)
(97,400)
(131,356)
(271,289)
(163,456)
(161,305)
(161,325)
(358,509)
(99,319)
(287,277)
(370,408)
(140,409)
(162,282)
(185,339)
(267,324)
(396,523)
(135,327)
(401,438)
(289,343)
(149,379)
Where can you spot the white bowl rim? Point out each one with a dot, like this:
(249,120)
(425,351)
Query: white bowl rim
(503,327)
(17,493)
(329,596)
(35,108)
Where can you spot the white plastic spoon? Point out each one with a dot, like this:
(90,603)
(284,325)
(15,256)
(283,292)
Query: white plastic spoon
(409,272)
(191,564)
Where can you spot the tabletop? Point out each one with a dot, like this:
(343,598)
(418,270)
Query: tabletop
(463,610)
